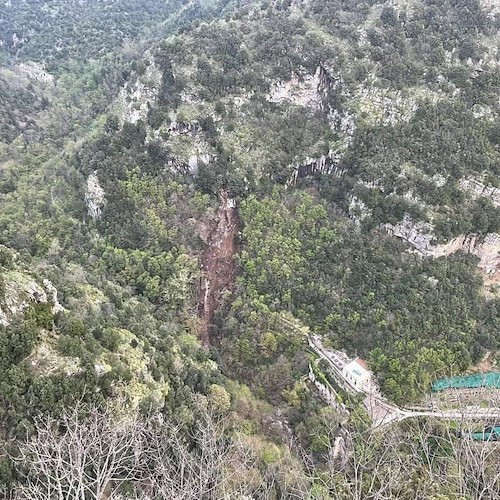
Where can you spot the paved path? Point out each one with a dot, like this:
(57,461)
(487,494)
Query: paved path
(383,412)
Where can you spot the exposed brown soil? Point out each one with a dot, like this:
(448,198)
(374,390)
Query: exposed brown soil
(217,264)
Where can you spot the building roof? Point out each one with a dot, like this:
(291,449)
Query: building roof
(362,363)
(357,370)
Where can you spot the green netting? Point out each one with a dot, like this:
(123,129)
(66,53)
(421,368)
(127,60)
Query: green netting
(491,379)
(490,434)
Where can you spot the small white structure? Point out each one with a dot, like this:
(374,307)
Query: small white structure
(357,375)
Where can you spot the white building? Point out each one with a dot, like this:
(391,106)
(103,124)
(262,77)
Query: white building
(357,375)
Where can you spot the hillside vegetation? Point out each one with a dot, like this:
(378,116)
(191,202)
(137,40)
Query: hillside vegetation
(358,143)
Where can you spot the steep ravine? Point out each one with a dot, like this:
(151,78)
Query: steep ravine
(217,263)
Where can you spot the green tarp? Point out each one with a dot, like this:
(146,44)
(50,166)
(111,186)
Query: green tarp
(491,379)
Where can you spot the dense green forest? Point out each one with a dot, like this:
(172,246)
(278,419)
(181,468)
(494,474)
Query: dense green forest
(189,189)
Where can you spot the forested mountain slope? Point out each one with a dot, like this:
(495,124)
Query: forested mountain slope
(187,189)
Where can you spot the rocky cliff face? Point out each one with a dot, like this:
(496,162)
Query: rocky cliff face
(36,72)
(181,134)
(307,90)
(94,197)
(20,290)
(476,189)
(188,145)
(299,90)
(331,91)
(326,164)
(138,94)
(319,91)
(420,236)
(383,107)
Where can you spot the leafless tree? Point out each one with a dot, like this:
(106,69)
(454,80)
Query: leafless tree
(95,457)
(477,468)
(415,460)
(78,459)
(203,464)
(111,455)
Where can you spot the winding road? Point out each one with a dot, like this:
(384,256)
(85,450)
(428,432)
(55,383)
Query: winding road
(381,411)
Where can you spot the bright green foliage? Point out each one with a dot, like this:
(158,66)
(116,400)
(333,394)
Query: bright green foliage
(415,319)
